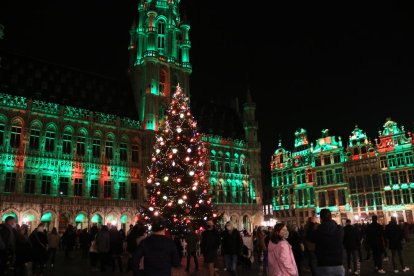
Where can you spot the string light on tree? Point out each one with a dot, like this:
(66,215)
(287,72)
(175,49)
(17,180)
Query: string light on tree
(179,160)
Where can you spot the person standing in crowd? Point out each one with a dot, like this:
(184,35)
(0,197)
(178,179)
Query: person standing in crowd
(38,239)
(295,240)
(375,239)
(351,244)
(281,261)
(7,243)
(178,243)
(260,235)
(328,238)
(53,242)
(134,238)
(309,227)
(23,251)
(247,252)
(84,242)
(116,248)
(158,251)
(191,239)
(406,231)
(395,236)
(210,242)
(232,245)
(93,251)
(103,246)
(69,240)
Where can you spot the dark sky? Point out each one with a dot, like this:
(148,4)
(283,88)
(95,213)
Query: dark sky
(324,65)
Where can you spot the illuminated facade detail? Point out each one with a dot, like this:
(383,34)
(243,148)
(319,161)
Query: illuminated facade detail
(355,183)
(97,160)
(52,164)
(159,58)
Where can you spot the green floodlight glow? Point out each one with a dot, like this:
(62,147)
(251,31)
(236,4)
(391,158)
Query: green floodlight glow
(395,187)
(110,218)
(124,219)
(47,217)
(96,218)
(80,218)
(9,214)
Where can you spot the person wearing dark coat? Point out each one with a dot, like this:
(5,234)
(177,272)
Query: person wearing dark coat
(351,244)
(375,239)
(328,239)
(158,251)
(116,248)
(84,242)
(69,240)
(395,235)
(191,240)
(23,253)
(232,246)
(103,246)
(295,240)
(210,242)
(38,239)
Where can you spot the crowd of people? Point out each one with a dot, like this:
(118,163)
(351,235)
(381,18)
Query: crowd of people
(281,250)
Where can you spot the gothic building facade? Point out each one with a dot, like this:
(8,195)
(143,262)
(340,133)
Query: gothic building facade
(354,182)
(75,146)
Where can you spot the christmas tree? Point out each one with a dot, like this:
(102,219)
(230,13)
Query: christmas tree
(177,184)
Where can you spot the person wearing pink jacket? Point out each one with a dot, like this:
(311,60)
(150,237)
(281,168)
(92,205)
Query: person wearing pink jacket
(281,261)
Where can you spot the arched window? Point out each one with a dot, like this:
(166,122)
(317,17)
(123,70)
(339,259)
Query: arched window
(109,144)
(229,192)
(34,139)
(15,134)
(162,83)
(220,191)
(161,36)
(80,143)
(67,141)
(50,138)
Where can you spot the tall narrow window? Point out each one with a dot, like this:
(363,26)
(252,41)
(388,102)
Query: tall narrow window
(162,83)
(409,157)
(122,190)
(78,188)
(80,146)
(341,197)
(34,139)
(63,186)
(46,182)
(109,150)
(383,162)
(397,197)
(135,156)
(50,141)
(15,136)
(10,185)
(134,190)
(319,178)
(123,152)
(1,134)
(94,188)
(30,184)
(67,144)
(161,37)
(329,177)
(339,176)
(107,189)
(322,199)
(331,197)
(96,148)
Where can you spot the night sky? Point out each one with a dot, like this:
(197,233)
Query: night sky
(326,65)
